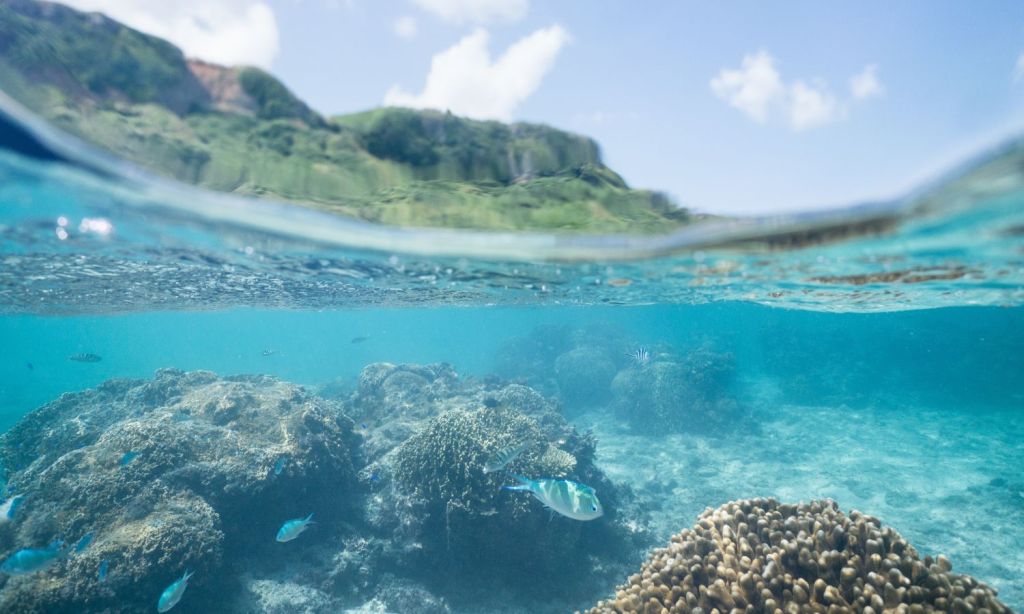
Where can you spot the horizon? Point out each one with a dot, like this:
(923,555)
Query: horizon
(795,100)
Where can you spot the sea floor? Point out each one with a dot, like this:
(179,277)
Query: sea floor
(949,481)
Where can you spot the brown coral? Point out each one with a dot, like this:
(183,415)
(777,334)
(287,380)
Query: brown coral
(758,555)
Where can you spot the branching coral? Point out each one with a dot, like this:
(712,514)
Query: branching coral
(758,555)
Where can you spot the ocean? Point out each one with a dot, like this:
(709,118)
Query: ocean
(183,372)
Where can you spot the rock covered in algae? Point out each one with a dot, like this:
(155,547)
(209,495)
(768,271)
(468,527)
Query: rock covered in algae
(758,555)
(428,440)
(176,472)
(676,393)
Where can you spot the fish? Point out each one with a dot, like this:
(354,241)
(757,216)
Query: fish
(279,465)
(293,528)
(31,560)
(173,593)
(102,573)
(127,457)
(568,498)
(85,357)
(359,339)
(84,542)
(641,356)
(10,507)
(374,477)
(503,457)
(30,367)
(269,352)
(491,402)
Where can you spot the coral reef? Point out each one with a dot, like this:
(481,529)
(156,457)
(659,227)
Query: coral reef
(758,555)
(174,472)
(675,394)
(428,438)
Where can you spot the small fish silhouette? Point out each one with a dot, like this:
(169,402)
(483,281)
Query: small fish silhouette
(10,507)
(360,339)
(31,560)
(293,528)
(502,458)
(84,542)
(30,367)
(128,457)
(85,357)
(279,465)
(269,352)
(173,593)
(102,574)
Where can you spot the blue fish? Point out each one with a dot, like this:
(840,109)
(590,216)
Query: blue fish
(128,457)
(173,593)
(104,566)
(279,465)
(84,542)
(568,498)
(374,477)
(30,367)
(31,560)
(10,507)
(293,528)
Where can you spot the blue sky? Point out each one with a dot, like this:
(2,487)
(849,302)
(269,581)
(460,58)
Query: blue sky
(729,107)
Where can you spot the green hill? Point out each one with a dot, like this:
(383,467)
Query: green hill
(241,130)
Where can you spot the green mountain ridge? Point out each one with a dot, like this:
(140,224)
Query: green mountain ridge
(240,130)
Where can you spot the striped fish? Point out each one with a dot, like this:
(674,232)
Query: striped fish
(85,357)
(568,498)
(503,457)
(641,356)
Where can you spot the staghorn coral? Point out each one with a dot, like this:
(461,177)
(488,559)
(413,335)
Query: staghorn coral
(758,555)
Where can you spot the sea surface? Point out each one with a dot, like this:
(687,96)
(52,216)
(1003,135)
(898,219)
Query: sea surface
(873,355)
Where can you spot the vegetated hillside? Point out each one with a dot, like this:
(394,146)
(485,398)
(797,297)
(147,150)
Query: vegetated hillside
(241,130)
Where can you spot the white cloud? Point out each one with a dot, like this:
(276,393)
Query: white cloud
(753,88)
(464,79)
(405,27)
(757,89)
(225,32)
(811,106)
(476,11)
(865,84)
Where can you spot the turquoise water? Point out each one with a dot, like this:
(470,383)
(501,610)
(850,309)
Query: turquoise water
(873,356)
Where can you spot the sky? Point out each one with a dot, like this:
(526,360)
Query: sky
(732,108)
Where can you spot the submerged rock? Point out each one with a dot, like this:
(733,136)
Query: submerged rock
(676,394)
(760,555)
(584,376)
(200,488)
(450,523)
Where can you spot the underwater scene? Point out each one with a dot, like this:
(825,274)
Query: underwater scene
(256,359)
